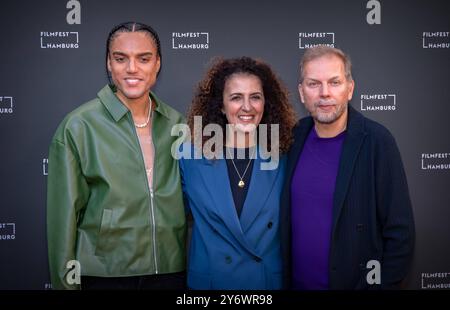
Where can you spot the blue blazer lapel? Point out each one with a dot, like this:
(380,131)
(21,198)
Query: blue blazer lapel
(260,189)
(223,200)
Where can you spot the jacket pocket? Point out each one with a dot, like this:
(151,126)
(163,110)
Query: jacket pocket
(103,243)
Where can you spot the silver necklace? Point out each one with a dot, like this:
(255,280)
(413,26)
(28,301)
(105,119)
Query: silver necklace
(241,182)
(148,117)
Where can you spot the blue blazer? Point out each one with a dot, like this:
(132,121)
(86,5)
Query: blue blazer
(228,252)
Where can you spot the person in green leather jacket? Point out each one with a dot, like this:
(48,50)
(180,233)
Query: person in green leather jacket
(115,213)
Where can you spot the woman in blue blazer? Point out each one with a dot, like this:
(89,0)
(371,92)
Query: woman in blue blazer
(232,176)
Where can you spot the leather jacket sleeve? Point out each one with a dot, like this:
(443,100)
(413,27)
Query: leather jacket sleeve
(67,195)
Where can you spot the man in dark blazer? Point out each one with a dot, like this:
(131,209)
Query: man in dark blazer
(346,212)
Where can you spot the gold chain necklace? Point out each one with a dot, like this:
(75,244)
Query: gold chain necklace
(241,182)
(148,117)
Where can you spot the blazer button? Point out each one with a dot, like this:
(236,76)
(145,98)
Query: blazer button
(257,259)
(228,260)
(269,225)
(359,227)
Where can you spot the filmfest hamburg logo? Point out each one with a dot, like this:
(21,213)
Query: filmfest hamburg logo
(190,40)
(378,102)
(436,39)
(311,39)
(435,161)
(59,39)
(435,280)
(7,231)
(6,105)
(64,39)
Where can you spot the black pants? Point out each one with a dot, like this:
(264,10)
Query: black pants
(168,281)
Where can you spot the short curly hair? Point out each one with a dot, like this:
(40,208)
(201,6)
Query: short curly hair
(208,99)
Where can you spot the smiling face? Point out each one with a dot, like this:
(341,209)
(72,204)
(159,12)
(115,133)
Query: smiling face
(325,91)
(134,63)
(243,101)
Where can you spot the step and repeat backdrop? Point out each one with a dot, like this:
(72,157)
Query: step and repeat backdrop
(53,59)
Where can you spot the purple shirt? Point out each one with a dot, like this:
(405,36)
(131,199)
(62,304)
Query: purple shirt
(312,191)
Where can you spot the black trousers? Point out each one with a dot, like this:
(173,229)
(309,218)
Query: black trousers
(168,281)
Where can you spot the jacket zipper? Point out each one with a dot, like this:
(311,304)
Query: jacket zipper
(152,215)
(151,199)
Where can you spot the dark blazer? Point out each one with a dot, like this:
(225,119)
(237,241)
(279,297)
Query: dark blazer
(372,213)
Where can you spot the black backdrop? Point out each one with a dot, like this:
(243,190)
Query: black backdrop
(52,60)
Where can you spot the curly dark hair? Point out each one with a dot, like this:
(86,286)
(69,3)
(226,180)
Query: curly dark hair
(208,99)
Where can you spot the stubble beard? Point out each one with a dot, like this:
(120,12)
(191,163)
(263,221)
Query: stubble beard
(330,117)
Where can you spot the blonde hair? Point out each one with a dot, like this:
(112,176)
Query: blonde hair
(323,50)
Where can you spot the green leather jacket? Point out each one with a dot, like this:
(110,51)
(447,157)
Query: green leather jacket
(100,210)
